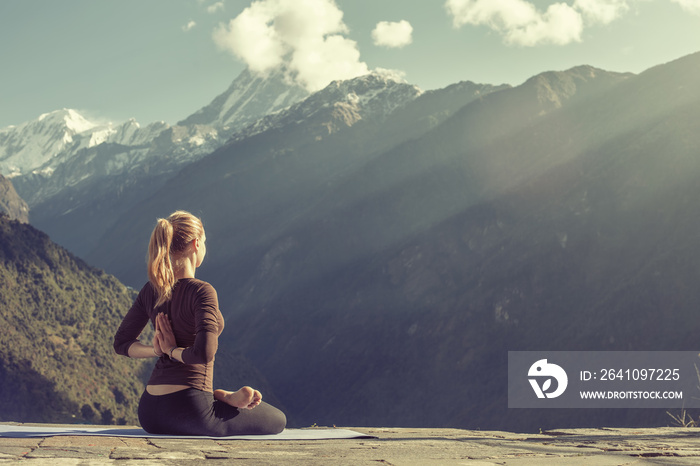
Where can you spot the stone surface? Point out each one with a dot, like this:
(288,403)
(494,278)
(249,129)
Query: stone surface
(395,446)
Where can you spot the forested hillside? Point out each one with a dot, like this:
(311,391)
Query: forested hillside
(58,317)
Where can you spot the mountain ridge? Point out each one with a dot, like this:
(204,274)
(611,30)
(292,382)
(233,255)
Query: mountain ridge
(375,96)
(11,204)
(302,156)
(33,151)
(71,189)
(241,103)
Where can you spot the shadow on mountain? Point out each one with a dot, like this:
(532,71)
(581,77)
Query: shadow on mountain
(27,396)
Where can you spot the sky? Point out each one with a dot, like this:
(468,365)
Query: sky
(162,60)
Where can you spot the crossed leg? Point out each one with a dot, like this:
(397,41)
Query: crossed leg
(244,398)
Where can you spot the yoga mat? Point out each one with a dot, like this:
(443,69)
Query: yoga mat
(288,434)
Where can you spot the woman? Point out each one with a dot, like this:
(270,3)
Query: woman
(179,397)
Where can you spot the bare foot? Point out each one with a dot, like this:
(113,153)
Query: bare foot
(245,398)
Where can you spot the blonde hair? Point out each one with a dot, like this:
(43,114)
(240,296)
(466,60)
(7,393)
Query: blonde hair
(169,240)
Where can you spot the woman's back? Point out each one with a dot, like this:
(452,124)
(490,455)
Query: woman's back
(196,322)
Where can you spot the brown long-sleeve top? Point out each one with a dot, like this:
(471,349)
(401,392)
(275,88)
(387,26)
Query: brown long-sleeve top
(197,323)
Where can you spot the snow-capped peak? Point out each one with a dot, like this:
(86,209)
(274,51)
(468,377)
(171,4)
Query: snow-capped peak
(73,121)
(374,95)
(383,86)
(251,96)
(29,145)
(57,136)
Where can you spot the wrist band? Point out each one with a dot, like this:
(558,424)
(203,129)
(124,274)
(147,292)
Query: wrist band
(171,351)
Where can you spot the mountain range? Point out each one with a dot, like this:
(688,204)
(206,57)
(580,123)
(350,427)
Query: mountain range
(384,248)
(76,174)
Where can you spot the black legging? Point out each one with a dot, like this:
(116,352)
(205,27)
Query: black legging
(195,412)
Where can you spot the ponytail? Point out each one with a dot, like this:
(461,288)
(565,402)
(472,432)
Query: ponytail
(170,239)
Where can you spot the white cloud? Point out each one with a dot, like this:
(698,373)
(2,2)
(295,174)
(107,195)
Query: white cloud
(691,6)
(393,34)
(306,36)
(521,23)
(396,75)
(495,13)
(559,25)
(252,39)
(601,11)
(188,27)
(213,8)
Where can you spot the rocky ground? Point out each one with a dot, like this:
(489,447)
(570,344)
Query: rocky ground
(395,446)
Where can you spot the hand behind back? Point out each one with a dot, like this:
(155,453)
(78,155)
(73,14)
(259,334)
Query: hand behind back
(164,338)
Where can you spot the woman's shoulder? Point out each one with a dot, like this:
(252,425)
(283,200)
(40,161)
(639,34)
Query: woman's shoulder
(147,289)
(198,286)
(146,297)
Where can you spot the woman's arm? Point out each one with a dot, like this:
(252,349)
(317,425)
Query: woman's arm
(166,341)
(203,350)
(131,327)
(126,340)
(206,320)
(139,350)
